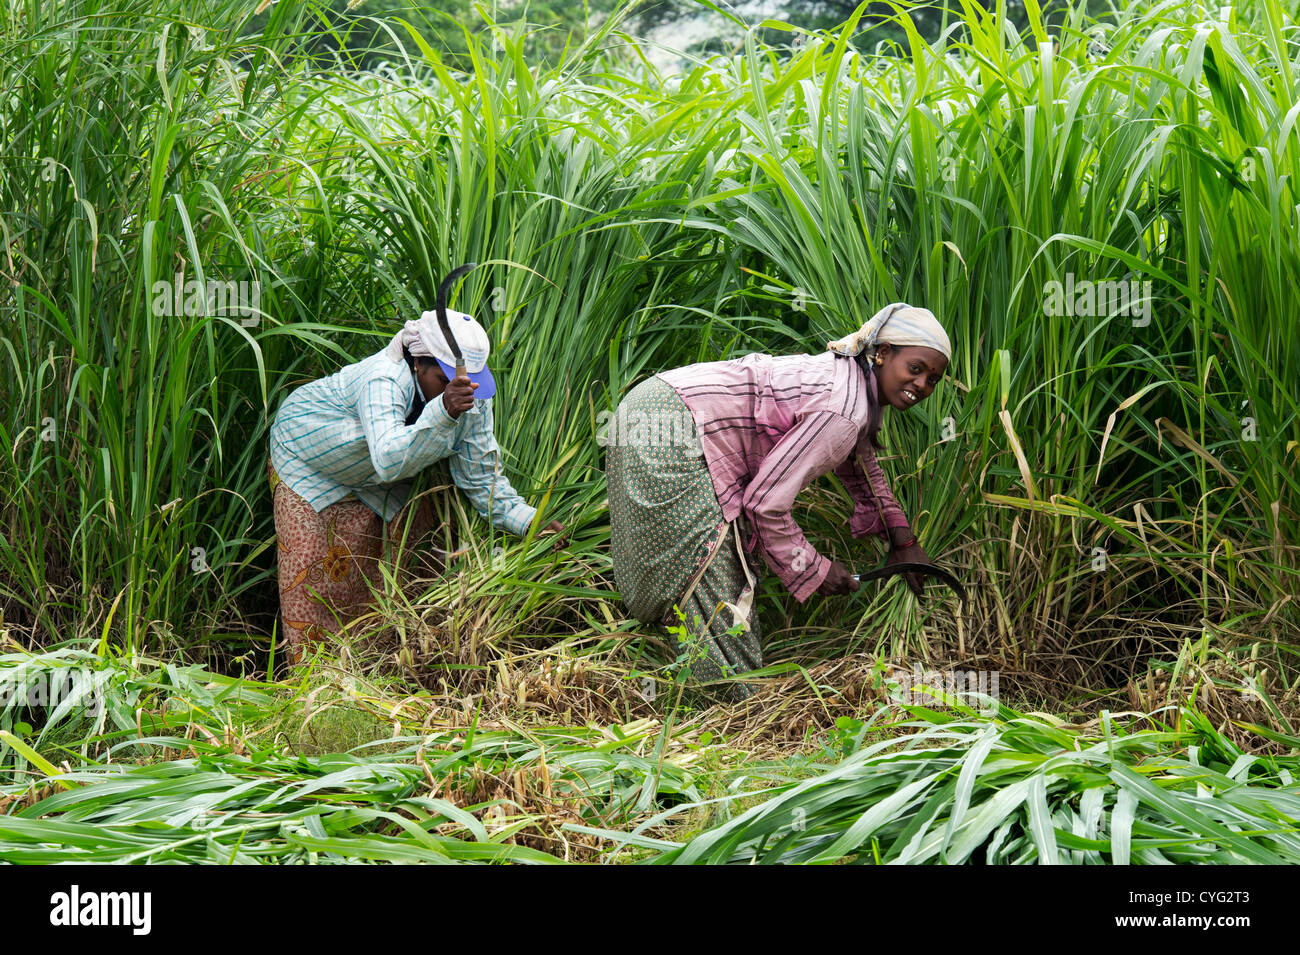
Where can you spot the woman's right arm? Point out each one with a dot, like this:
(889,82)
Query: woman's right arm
(804,453)
(399,451)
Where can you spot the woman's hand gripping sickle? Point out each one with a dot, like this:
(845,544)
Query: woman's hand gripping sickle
(906,549)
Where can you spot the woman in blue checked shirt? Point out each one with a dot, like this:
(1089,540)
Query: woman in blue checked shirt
(343,452)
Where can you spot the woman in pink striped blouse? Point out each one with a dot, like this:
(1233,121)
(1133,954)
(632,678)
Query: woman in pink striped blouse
(694,453)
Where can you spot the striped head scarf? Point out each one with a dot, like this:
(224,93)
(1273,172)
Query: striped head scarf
(896,324)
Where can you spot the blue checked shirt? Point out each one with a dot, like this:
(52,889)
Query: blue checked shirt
(346,434)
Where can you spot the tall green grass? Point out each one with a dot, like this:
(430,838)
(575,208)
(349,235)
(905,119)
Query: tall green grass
(629,222)
(142,141)
(970,177)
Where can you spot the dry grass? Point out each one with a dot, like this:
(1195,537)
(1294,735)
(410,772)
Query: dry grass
(1234,697)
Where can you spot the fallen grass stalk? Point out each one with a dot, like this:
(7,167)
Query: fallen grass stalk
(1020,789)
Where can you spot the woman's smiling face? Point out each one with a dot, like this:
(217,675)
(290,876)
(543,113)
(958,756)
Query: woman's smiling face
(908,374)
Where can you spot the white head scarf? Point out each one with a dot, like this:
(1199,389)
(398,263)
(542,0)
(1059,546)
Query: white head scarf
(418,337)
(896,324)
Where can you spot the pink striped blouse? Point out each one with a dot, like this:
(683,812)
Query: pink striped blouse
(772,424)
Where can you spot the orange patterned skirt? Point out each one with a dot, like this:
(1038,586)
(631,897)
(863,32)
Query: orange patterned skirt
(328,562)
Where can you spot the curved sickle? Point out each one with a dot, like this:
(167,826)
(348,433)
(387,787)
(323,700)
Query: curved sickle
(916,567)
(441,306)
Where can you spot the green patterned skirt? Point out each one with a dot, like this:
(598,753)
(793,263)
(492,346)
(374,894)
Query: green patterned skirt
(667,530)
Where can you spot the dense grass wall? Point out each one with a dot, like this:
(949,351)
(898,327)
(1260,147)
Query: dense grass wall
(1093,466)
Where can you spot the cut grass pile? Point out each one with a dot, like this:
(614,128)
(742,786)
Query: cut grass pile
(226,771)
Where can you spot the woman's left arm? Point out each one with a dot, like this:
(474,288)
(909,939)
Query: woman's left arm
(804,453)
(875,509)
(874,493)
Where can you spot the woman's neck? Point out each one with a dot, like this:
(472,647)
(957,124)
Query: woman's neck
(873,392)
(875,412)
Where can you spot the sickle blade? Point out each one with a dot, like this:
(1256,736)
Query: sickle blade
(441,306)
